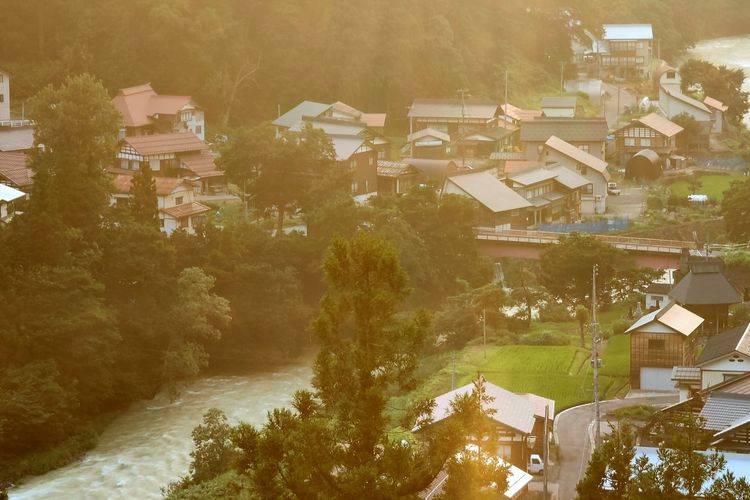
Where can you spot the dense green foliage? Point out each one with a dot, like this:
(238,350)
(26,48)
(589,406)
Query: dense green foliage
(719,82)
(242,59)
(735,207)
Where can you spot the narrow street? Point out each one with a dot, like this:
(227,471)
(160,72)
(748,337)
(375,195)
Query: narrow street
(572,428)
(610,103)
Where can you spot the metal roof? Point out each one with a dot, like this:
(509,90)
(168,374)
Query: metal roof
(489,191)
(201,164)
(660,124)
(725,343)
(559,102)
(628,32)
(428,132)
(674,91)
(346,145)
(529,177)
(520,114)
(453,108)
(567,129)
(16,138)
(671,315)
(8,194)
(138,104)
(180,142)
(705,288)
(568,178)
(578,155)
(715,103)
(305,108)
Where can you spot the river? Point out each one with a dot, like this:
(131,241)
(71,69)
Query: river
(149,445)
(733,52)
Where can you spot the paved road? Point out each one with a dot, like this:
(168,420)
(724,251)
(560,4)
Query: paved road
(610,102)
(574,444)
(629,203)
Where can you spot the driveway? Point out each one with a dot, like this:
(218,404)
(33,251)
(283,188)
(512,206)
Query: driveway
(572,431)
(611,111)
(629,203)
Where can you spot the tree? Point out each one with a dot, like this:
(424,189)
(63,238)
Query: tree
(719,82)
(77,127)
(735,207)
(582,316)
(692,131)
(143,204)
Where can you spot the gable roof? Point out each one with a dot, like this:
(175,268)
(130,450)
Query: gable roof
(8,194)
(430,167)
(725,343)
(178,142)
(715,103)
(14,168)
(428,132)
(330,125)
(186,210)
(489,191)
(627,32)
(510,409)
(395,168)
(453,108)
(370,119)
(520,114)
(672,316)
(689,374)
(674,91)
(722,409)
(559,102)
(346,145)
(578,155)
(660,124)
(736,385)
(528,177)
(567,177)
(567,129)
(201,164)
(704,286)
(163,185)
(294,115)
(138,104)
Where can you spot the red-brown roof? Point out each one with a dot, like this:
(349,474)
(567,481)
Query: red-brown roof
(660,124)
(715,103)
(138,104)
(164,185)
(14,168)
(186,210)
(517,166)
(201,164)
(179,142)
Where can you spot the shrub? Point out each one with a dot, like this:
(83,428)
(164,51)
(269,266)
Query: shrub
(545,338)
(619,326)
(554,312)
(654,203)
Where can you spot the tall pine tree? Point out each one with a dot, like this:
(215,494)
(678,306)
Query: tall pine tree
(143,205)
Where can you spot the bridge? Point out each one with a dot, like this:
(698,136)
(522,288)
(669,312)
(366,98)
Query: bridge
(646,252)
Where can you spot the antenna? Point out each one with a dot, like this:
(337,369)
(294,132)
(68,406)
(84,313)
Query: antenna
(595,361)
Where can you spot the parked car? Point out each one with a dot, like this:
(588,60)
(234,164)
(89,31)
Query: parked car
(536,464)
(613,189)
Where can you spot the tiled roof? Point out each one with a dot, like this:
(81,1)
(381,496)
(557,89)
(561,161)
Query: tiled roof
(567,129)
(510,409)
(163,185)
(14,168)
(428,132)
(725,343)
(659,288)
(179,142)
(489,191)
(578,155)
(453,108)
(704,288)
(395,168)
(138,104)
(723,409)
(201,164)
(686,374)
(715,103)
(660,124)
(186,210)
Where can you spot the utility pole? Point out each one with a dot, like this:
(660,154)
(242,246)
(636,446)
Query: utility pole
(462,126)
(545,448)
(453,370)
(484,331)
(562,80)
(595,357)
(505,118)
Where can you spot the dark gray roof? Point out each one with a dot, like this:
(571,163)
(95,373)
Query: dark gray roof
(725,343)
(723,409)
(659,288)
(567,129)
(686,374)
(699,287)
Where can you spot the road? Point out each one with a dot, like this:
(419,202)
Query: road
(611,112)
(629,203)
(572,428)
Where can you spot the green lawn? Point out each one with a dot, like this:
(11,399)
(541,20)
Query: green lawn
(712,185)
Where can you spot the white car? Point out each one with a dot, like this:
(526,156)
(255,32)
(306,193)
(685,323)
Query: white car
(613,189)
(536,464)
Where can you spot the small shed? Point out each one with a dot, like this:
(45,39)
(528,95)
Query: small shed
(645,164)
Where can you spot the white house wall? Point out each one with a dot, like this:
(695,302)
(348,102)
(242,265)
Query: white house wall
(595,203)
(713,373)
(673,107)
(5,92)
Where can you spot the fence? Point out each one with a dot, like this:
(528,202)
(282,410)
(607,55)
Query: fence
(596,227)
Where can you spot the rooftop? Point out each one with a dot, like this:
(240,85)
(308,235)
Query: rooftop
(686,374)
(578,155)
(559,102)
(568,178)
(628,32)
(14,168)
(520,114)
(294,115)
(179,142)
(428,132)
(16,138)
(395,168)
(139,104)
(186,210)
(201,164)
(701,288)
(489,191)
(453,108)
(671,315)
(660,124)
(725,343)
(528,177)
(674,91)
(715,104)
(722,409)
(8,194)
(567,129)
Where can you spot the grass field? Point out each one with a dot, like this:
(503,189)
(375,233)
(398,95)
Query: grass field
(712,185)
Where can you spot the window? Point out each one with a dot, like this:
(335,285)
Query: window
(2,98)
(185,222)
(178,200)
(198,130)
(161,222)
(539,149)
(354,186)
(657,344)
(588,189)
(584,147)
(354,164)
(630,141)
(381,155)
(671,75)
(371,161)
(645,141)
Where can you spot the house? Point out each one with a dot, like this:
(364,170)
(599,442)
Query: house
(673,103)
(455,117)
(429,143)
(396,177)
(179,154)
(482,143)
(8,198)
(656,295)
(559,107)
(519,419)
(705,291)
(718,109)
(518,483)
(554,194)
(659,341)
(687,380)
(587,134)
(725,356)
(500,206)
(374,121)
(16,138)
(4,95)
(432,171)
(175,200)
(625,51)
(145,112)
(15,171)
(515,115)
(360,157)
(652,132)
(576,158)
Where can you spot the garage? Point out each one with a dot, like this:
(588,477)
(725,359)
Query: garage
(656,379)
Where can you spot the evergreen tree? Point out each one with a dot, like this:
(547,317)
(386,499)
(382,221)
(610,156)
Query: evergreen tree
(143,204)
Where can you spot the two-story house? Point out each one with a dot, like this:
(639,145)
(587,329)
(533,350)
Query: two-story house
(725,356)
(652,132)
(554,193)
(587,134)
(145,112)
(625,51)
(429,143)
(455,117)
(594,196)
(180,154)
(175,200)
